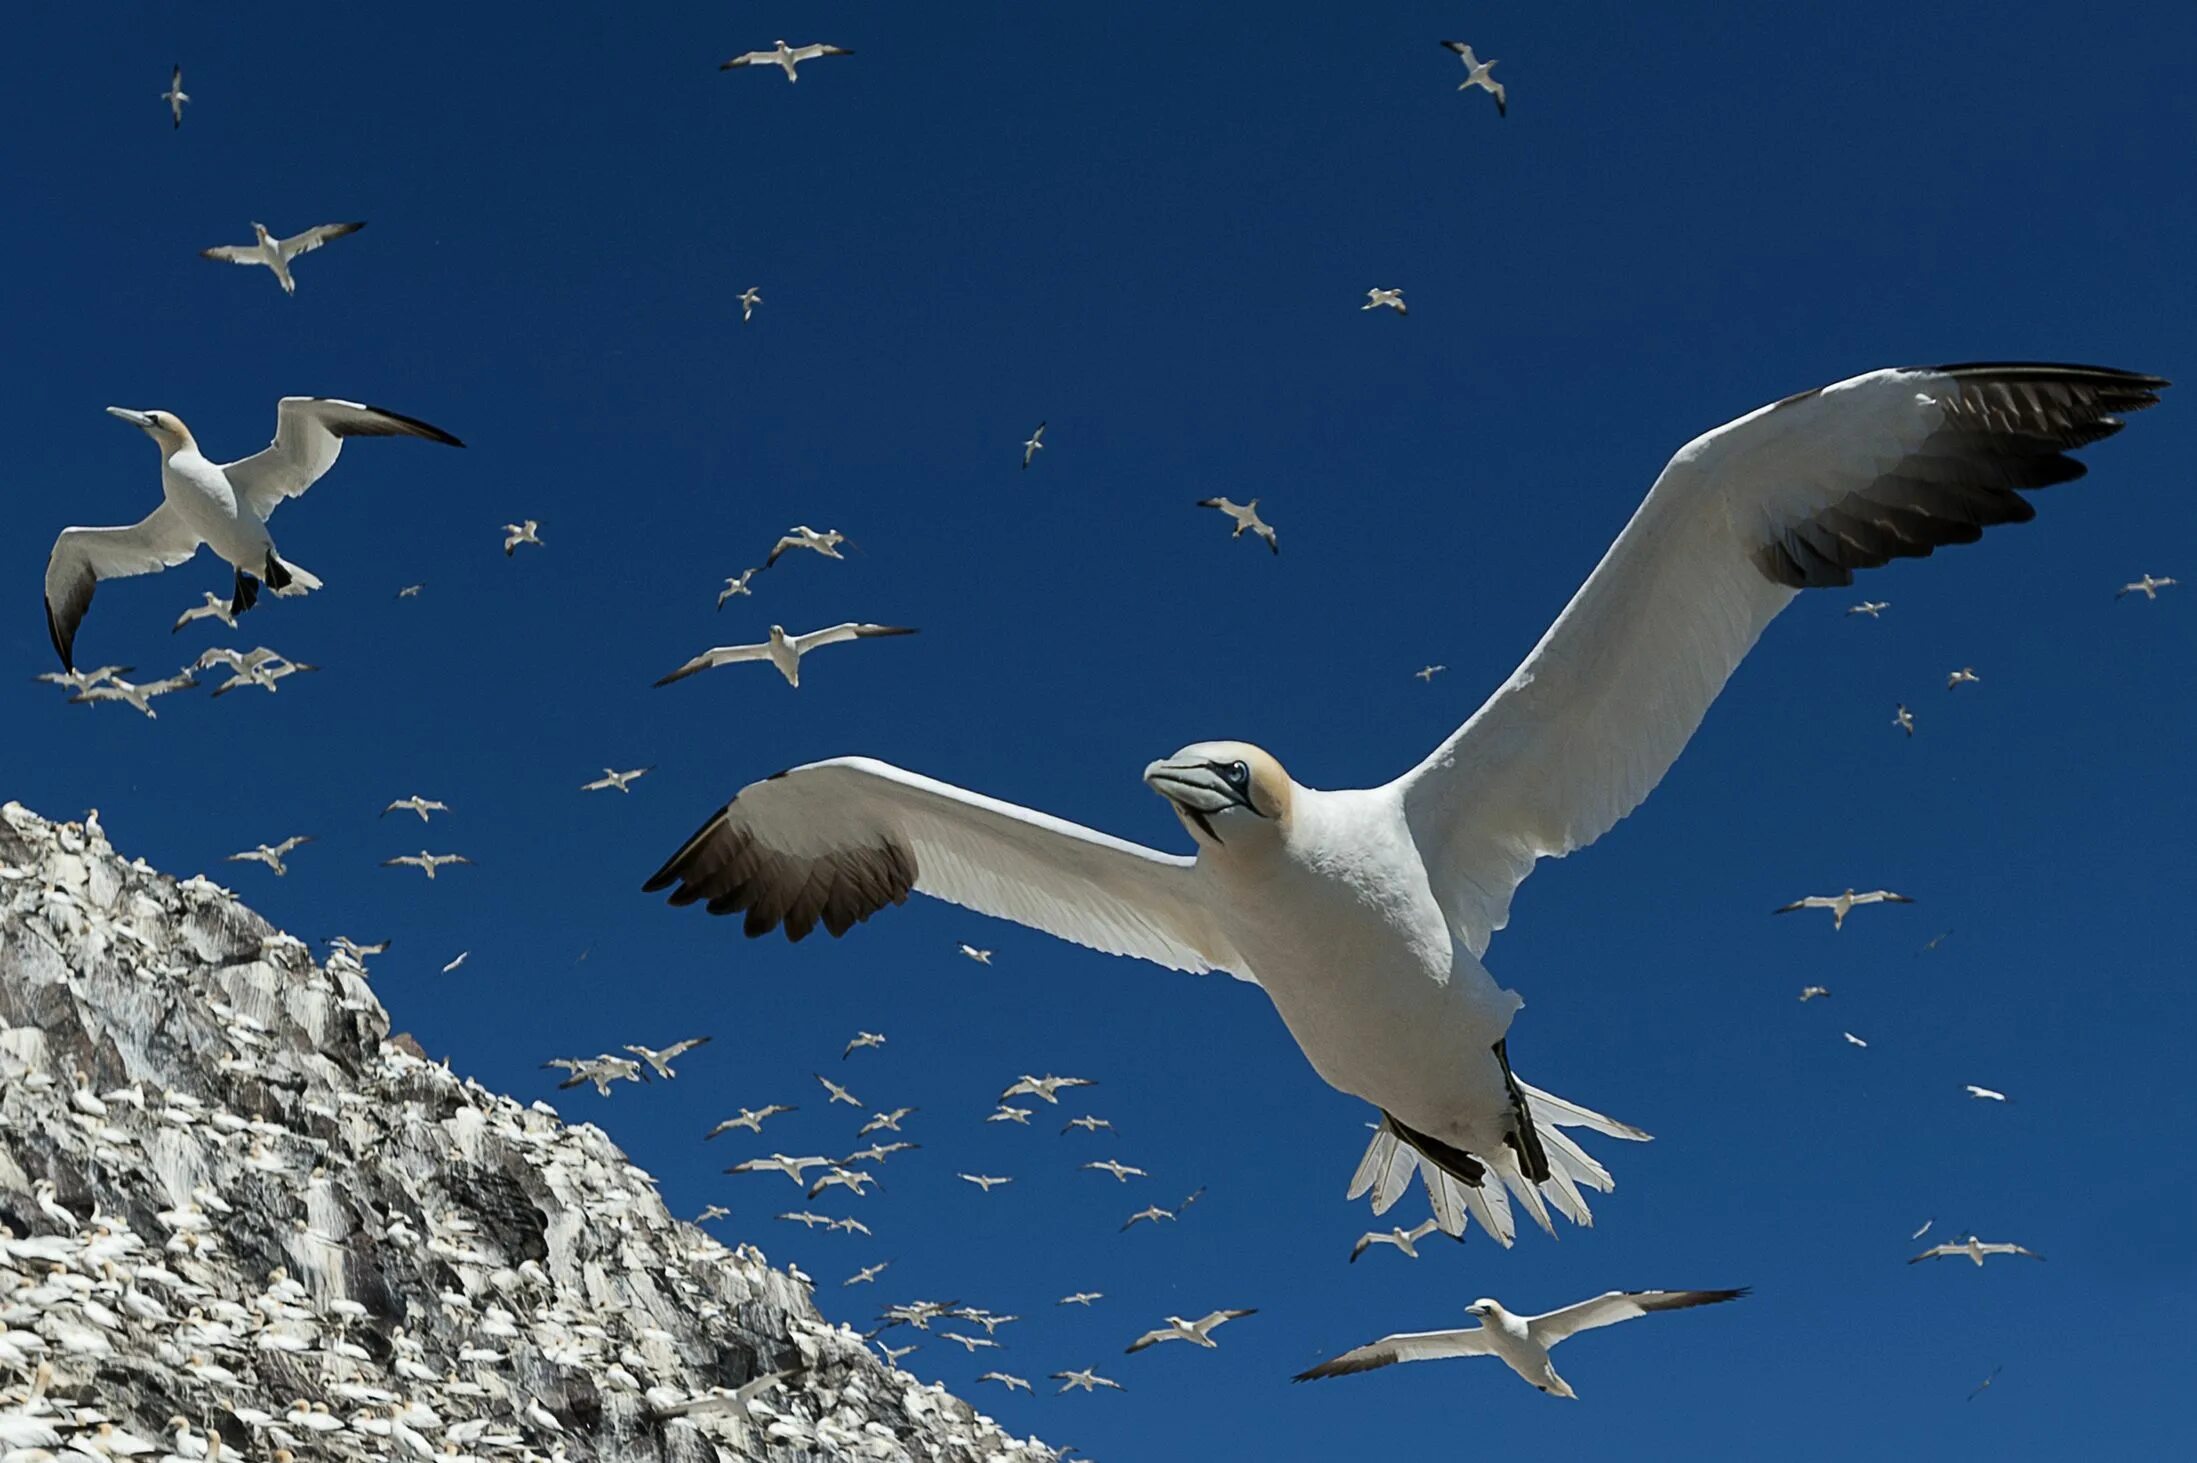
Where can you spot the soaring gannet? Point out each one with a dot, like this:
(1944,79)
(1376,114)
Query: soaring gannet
(1005,1380)
(1380,299)
(515,534)
(1089,1124)
(1973,1249)
(1984,1094)
(1046,1087)
(1247,518)
(1813,992)
(1364,914)
(1521,1342)
(736,586)
(1122,1172)
(2148,586)
(272,855)
(981,957)
(175,96)
(1403,1239)
(749,299)
(1081,1298)
(867,1273)
(781,650)
(784,57)
(793,1168)
(888,1122)
(1842,905)
(613,778)
(266,671)
(214,608)
(75,680)
(416,804)
(862,1039)
(276,253)
(1870,607)
(1006,1113)
(1427,673)
(223,505)
(750,1118)
(660,1061)
(1853,1040)
(986,1182)
(1033,446)
(1197,1333)
(424,861)
(114,688)
(801,536)
(1088,1379)
(1965,676)
(838,1093)
(1476,74)
(1903,718)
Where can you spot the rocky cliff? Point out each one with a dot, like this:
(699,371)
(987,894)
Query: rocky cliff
(242,1221)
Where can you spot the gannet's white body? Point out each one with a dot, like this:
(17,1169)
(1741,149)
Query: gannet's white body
(1364,914)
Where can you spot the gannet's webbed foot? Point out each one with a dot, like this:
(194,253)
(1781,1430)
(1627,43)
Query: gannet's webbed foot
(1455,1162)
(278,574)
(1522,1138)
(247,593)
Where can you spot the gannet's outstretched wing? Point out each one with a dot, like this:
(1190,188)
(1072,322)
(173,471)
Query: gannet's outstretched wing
(833,842)
(314,237)
(309,433)
(1406,1346)
(1797,495)
(1618,1305)
(83,556)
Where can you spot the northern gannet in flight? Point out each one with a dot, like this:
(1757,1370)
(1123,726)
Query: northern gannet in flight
(1247,518)
(1034,446)
(849,1225)
(981,957)
(75,680)
(410,591)
(276,253)
(623,781)
(1984,1094)
(114,688)
(894,1353)
(1521,1342)
(749,299)
(1974,1249)
(1005,1113)
(1090,1124)
(175,96)
(2148,587)
(793,1168)
(1005,1380)
(223,505)
(1046,1087)
(877,1153)
(709,1212)
(1379,299)
(1870,607)
(782,650)
(1811,992)
(838,1093)
(660,1061)
(1403,1239)
(1122,1172)
(1197,1333)
(1853,1040)
(265,670)
(750,1118)
(1985,1385)
(1841,905)
(986,1182)
(514,534)
(867,1273)
(970,1343)
(862,1039)
(1081,1298)
(885,1121)
(736,586)
(1405,884)
(1152,1212)
(784,57)
(801,536)
(1965,676)
(1918,1234)
(1477,75)
(1903,718)
(806,1220)
(1427,673)
(601,1069)
(458,961)
(214,608)
(271,856)
(844,1178)
(416,804)
(424,861)
(1088,1379)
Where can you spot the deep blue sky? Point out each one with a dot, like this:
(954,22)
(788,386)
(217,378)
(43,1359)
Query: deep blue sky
(1154,227)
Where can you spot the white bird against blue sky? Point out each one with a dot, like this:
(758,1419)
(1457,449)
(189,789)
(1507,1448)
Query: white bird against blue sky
(175,96)
(276,254)
(783,651)
(1406,884)
(1477,74)
(784,57)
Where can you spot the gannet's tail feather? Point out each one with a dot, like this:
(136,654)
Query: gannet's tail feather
(1457,1184)
(296,580)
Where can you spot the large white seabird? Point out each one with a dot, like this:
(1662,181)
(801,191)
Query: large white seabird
(1364,913)
(224,505)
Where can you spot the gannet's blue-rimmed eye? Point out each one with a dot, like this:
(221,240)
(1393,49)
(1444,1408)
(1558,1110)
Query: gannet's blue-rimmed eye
(1239,774)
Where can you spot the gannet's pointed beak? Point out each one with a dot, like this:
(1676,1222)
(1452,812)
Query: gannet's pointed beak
(137,419)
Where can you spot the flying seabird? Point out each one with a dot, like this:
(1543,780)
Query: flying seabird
(793,1168)
(263,669)
(1034,446)
(1870,607)
(515,534)
(981,957)
(801,536)
(354,949)
(1811,992)
(454,964)
(1088,1379)
(175,96)
(1918,1234)
(425,862)
(410,591)
(785,57)
(601,1070)
(877,1153)
(1841,905)
(1406,1240)
(1005,1380)
(866,1274)
(660,1061)
(623,781)
(1965,676)
(709,1212)
(276,253)
(1046,1087)
(2148,587)
(838,1093)
(1378,299)
(1122,1172)
(984,1181)
(1521,1342)
(224,505)
(1198,1332)
(749,299)
(1007,1114)
(1427,673)
(781,650)
(1081,1298)
(1985,1385)
(847,1178)
(1089,1124)
(1853,1040)
(114,688)
(76,680)
(849,1225)
(887,1121)
(1983,1094)
(1247,518)
(416,804)
(862,1039)
(1477,75)
(1152,1212)
(1974,1249)
(735,586)
(1904,719)
(807,1220)
(273,856)
(750,1118)
(214,608)
(894,1353)
(1406,884)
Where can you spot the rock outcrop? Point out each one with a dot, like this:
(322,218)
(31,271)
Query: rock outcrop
(233,1205)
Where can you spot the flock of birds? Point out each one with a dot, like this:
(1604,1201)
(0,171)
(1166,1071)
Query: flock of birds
(1404,884)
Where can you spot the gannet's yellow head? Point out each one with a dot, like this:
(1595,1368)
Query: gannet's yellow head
(1225,792)
(164,427)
